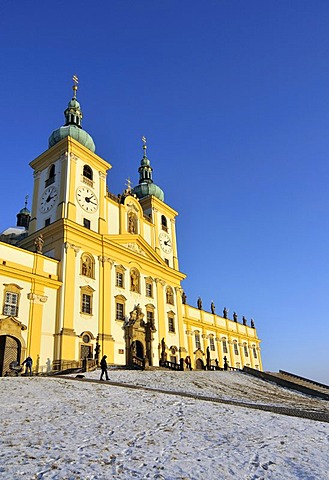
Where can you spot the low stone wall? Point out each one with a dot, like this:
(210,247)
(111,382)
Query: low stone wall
(286,383)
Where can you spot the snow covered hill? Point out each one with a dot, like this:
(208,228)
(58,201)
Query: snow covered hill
(54,428)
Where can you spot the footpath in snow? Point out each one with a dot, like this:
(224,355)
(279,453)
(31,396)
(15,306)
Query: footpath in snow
(53,428)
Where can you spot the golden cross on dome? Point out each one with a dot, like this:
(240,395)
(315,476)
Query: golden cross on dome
(128,184)
(75,86)
(144,140)
(26,198)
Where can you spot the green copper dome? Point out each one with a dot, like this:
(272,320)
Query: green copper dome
(146,186)
(145,189)
(75,132)
(72,127)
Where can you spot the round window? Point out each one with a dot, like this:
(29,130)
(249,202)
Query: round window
(86,339)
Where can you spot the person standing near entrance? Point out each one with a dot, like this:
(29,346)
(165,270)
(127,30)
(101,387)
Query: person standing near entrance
(103,365)
(28,366)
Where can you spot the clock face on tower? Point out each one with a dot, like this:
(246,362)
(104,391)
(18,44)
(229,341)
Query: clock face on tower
(48,199)
(165,242)
(87,199)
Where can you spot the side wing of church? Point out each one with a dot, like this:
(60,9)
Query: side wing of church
(93,273)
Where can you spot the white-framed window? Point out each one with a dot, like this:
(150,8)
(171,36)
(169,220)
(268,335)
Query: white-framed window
(119,311)
(119,279)
(11,304)
(86,303)
(87,300)
(171,323)
(120,306)
(197,340)
(149,289)
(11,298)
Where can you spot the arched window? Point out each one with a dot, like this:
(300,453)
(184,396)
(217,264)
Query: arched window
(51,176)
(87,265)
(169,296)
(164,225)
(87,172)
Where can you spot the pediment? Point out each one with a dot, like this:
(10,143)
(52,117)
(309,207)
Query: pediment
(137,245)
(11,324)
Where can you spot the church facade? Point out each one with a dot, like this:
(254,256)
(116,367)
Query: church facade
(95,273)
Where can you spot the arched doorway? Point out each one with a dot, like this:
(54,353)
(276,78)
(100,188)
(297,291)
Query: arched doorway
(199,365)
(10,351)
(139,349)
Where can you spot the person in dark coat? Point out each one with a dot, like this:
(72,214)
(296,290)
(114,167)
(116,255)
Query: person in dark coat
(103,365)
(28,366)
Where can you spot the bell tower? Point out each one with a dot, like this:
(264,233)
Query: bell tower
(69,178)
(151,198)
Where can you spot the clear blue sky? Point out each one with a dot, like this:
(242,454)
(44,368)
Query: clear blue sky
(233,97)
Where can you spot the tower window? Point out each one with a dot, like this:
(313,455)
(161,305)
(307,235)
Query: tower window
(235,346)
(47,222)
(87,172)
(212,343)
(254,352)
(197,340)
(224,345)
(164,225)
(86,223)
(51,176)
(245,348)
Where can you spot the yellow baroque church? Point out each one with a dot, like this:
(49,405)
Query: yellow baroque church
(88,273)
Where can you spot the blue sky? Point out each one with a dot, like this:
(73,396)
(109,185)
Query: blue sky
(233,97)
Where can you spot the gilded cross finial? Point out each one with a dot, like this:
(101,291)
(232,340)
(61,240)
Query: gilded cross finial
(26,198)
(75,86)
(144,146)
(128,184)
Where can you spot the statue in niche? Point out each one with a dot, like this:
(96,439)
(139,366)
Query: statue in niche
(235,317)
(170,296)
(86,268)
(131,223)
(134,281)
(184,298)
(212,306)
(225,312)
(38,243)
(199,303)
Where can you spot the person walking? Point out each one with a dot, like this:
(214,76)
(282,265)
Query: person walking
(103,365)
(28,366)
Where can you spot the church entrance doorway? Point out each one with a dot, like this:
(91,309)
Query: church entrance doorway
(10,351)
(139,349)
(199,365)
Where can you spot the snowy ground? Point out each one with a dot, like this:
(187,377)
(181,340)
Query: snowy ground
(55,428)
